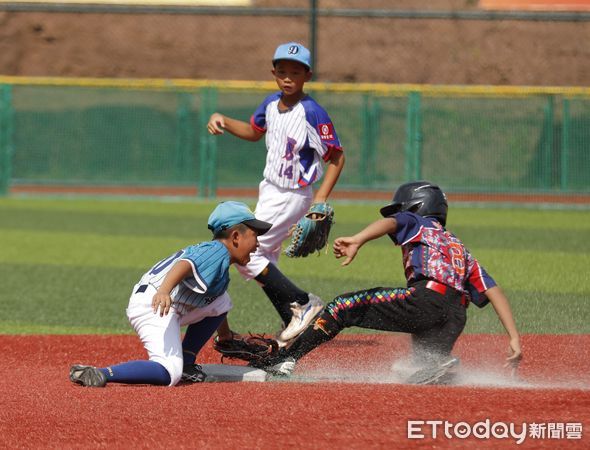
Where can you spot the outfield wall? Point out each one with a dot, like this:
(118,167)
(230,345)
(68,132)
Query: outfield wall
(469,139)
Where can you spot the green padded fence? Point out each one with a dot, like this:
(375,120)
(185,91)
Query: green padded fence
(153,133)
(6,137)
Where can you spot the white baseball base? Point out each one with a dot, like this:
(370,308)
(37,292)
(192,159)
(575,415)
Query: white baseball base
(229,373)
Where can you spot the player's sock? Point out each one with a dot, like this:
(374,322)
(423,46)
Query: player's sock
(197,335)
(137,372)
(323,329)
(281,291)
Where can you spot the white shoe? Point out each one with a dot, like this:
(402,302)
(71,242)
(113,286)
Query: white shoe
(303,315)
(282,344)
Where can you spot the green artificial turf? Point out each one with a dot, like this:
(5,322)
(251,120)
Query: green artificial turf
(68,265)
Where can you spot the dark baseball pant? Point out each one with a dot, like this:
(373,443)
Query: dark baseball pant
(434,320)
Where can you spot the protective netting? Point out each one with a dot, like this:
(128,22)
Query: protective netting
(509,142)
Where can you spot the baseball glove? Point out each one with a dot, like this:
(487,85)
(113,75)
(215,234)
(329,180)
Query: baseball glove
(311,233)
(247,348)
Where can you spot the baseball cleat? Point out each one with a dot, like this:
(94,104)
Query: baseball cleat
(278,365)
(303,315)
(193,373)
(441,373)
(88,376)
(283,368)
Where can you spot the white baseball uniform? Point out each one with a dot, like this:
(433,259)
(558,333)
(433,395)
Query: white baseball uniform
(196,297)
(297,140)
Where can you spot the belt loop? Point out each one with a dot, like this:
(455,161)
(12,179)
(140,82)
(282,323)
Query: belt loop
(465,301)
(141,289)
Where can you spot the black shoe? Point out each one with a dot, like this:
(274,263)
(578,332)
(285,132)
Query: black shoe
(193,373)
(88,376)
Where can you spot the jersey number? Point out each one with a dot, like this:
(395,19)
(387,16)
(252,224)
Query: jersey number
(288,172)
(164,263)
(457,258)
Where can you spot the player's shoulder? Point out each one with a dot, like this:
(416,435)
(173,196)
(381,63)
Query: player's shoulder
(274,97)
(315,114)
(310,104)
(205,250)
(407,217)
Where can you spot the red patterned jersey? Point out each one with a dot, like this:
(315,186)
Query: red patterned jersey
(429,251)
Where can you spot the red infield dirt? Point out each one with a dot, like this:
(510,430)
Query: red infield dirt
(341,396)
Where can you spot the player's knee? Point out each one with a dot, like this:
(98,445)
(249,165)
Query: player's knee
(173,366)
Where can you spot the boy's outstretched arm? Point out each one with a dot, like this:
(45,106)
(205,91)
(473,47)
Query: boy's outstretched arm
(218,123)
(504,312)
(349,246)
(331,176)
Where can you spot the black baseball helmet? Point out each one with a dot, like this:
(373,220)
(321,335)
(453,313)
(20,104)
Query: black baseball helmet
(420,197)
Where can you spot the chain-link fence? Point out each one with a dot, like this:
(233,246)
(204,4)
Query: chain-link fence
(153,133)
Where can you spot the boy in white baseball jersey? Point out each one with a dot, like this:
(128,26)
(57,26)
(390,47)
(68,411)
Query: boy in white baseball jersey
(187,288)
(300,137)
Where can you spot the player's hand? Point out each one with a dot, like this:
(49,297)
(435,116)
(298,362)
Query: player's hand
(514,357)
(346,247)
(161,301)
(216,124)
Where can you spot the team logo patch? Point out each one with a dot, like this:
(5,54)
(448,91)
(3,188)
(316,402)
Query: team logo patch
(326,131)
(293,50)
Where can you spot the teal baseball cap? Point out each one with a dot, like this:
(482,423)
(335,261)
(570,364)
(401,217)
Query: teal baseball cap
(227,214)
(293,51)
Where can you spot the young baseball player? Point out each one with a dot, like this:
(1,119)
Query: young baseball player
(441,276)
(188,287)
(299,137)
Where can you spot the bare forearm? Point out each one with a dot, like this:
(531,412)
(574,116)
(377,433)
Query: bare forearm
(241,129)
(180,270)
(330,177)
(503,310)
(223,330)
(375,230)
(161,300)
(347,247)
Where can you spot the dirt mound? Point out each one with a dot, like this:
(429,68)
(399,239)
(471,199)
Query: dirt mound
(506,52)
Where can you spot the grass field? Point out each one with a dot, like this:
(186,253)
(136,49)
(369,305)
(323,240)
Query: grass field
(68,265)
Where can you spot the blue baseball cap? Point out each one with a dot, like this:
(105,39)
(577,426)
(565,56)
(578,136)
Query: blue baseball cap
(227,214)
(293,51)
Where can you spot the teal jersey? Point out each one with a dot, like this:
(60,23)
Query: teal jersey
(210,263)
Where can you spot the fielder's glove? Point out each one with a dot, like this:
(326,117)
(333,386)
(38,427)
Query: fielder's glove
(311,233)
(247,348)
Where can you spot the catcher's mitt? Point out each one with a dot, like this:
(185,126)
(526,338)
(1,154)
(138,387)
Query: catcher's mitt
(247,348)
(311,233)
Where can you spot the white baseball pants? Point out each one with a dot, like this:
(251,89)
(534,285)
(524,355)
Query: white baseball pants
(282,208)
(161,336)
